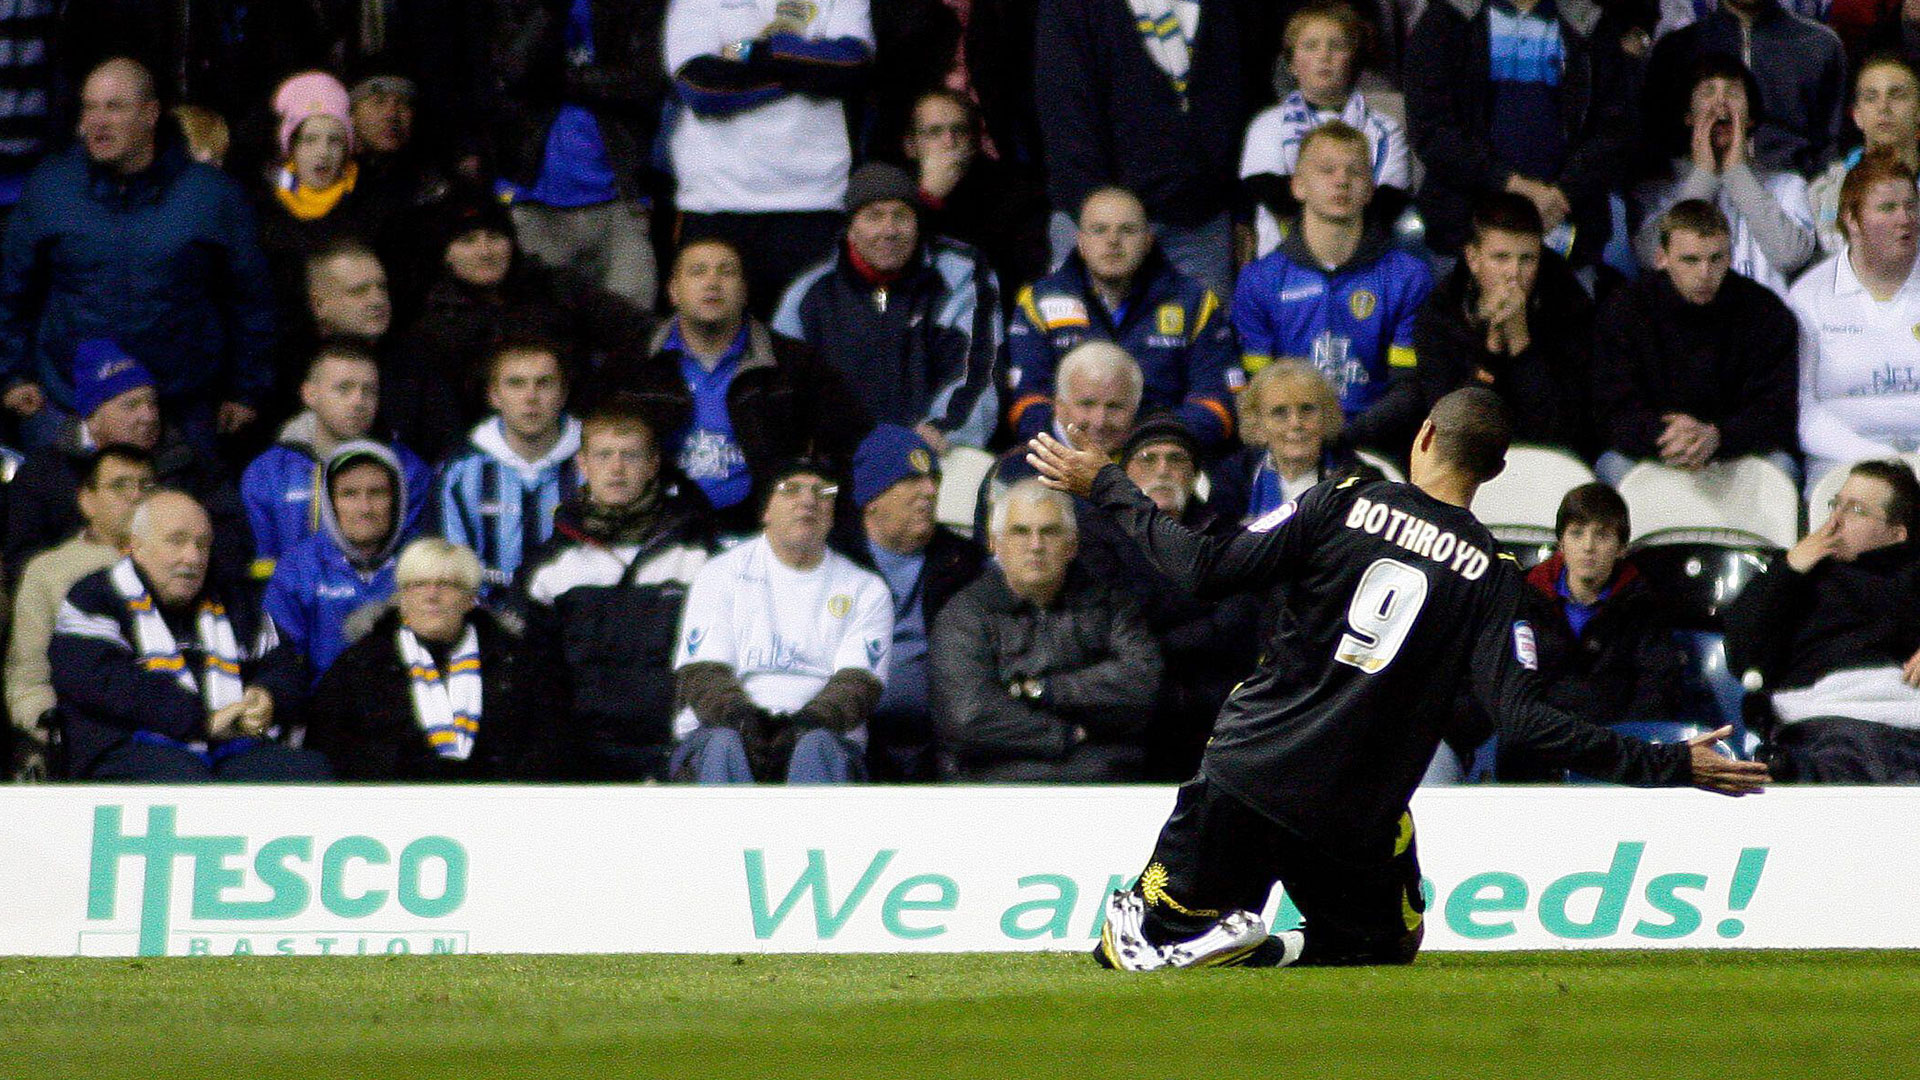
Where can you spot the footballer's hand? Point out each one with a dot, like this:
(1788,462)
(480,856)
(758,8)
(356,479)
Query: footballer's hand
(1063,468)
(1715,772)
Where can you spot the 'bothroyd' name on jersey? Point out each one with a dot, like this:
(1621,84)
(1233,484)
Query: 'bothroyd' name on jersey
(1417,536)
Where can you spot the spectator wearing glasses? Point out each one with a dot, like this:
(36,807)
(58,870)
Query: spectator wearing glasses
(1831,628)
(119,477)
(438,689)
(783,648)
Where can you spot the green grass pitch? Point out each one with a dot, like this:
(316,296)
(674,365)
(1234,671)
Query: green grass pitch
(1644,1015)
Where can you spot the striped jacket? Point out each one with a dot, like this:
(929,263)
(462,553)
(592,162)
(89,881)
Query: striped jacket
(502,506)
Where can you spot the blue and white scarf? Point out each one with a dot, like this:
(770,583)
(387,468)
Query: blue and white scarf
(1167,30)
(446,705)
(219,685)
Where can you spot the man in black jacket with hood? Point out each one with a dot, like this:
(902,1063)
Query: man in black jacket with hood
(1513,317)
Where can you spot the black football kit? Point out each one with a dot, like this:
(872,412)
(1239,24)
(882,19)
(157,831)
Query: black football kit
(1392,597)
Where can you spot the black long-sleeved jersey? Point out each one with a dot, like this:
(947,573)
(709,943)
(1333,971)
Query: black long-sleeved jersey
(1391,597)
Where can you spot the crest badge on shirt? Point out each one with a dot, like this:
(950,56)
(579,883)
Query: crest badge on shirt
(839,604)
(1362,302)
(1171,320)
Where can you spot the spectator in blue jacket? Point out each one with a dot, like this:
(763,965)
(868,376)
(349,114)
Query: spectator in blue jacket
(499,497)
(1338,294)
(341,394)
(1118,287)
(347,566)
(913,322)
(124,236)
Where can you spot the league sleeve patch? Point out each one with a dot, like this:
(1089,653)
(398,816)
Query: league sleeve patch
(1524,648)
(1274,518)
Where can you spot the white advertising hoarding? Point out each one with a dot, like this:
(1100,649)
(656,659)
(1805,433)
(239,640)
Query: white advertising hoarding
(103,870)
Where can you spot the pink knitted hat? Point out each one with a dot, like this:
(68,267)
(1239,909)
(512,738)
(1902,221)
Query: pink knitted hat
(310,94)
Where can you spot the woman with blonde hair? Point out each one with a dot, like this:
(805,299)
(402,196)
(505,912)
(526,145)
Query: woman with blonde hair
(437,688)
(1297,418)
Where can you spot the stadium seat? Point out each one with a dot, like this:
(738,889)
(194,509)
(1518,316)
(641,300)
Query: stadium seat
(1829,486)
(1746,502)
(1519,506)
(961,472)
(1698,578)
(1707,661)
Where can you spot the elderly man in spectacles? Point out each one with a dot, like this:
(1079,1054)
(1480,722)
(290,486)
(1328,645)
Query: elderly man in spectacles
(783,648)
(1832,629)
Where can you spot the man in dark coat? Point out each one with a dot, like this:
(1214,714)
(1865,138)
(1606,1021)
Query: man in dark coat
(124,236)
(1831,628)
(119,406)
(163,675)
(1512,317)
(1041,671)
(602,597)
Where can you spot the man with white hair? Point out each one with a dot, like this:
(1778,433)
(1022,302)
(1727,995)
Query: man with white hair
(1096,396)
(1042,671)
(161,676)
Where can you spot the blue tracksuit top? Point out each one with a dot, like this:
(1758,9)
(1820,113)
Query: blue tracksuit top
(315,588)
(1172,325)
(1354,322)
(277,488)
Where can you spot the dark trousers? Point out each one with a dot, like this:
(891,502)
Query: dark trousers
(1216,854)
(1841,750)
(151,763)
(775,247)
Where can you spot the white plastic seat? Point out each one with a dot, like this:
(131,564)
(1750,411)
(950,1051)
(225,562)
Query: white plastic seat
(961,473)
(1519,506)
(1745,502)
(1829,486)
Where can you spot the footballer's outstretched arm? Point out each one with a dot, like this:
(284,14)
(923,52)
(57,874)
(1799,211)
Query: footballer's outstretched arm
(1208,566)
(1509,691)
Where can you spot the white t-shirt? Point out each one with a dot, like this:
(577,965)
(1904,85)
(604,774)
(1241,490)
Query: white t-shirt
(1859,367)
(790,154)
(783,631)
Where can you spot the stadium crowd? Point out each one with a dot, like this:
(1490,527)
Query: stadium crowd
(566,389)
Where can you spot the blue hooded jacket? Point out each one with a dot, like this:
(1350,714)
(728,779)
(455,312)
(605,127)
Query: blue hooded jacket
(316,588)
(278,486)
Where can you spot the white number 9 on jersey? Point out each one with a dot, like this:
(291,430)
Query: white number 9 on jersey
(1381,615)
